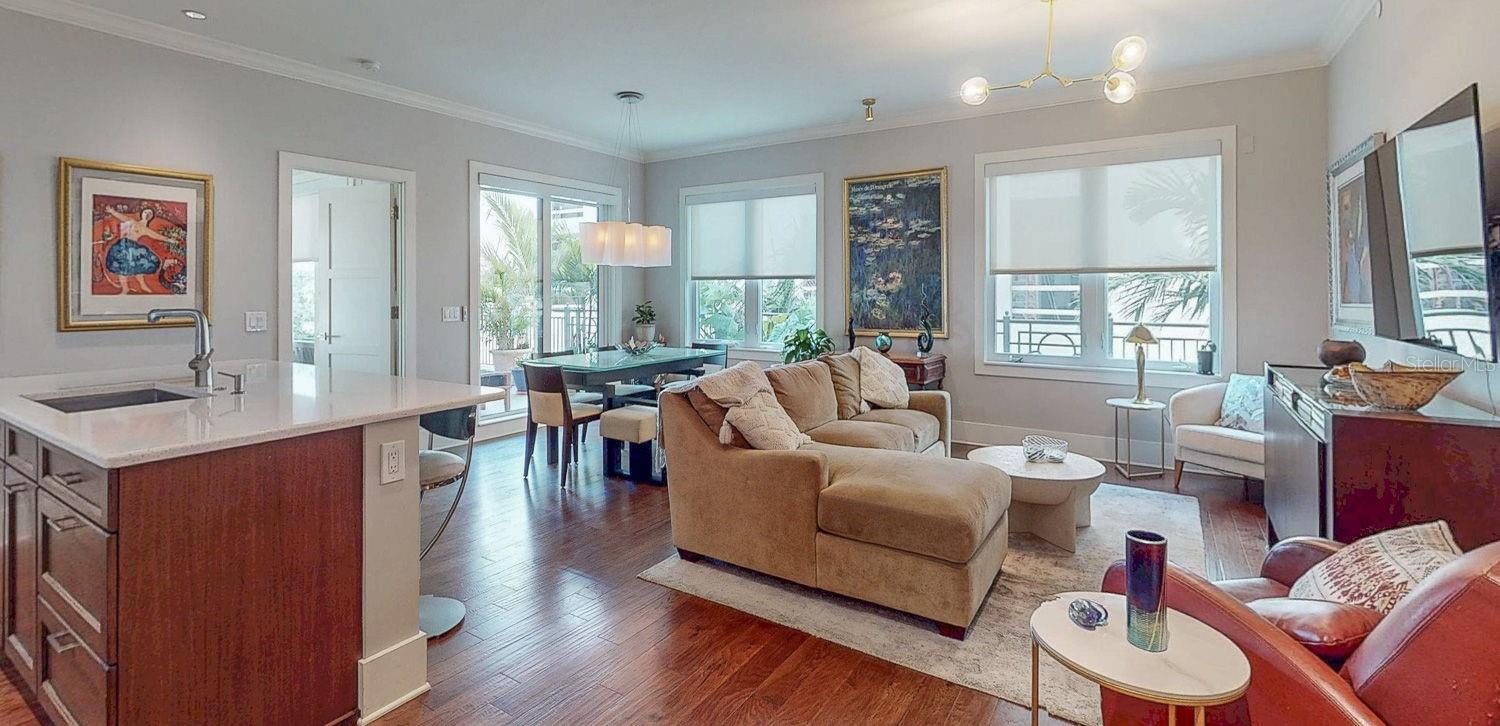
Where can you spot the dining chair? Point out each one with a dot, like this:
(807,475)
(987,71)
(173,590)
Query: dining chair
(550,405)
(721,360)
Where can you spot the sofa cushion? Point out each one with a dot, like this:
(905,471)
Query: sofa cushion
(924,425)
(938,507)
(881,381)
(844,370)
(713,415)
(1330,630)
(866,435)
(1227,442)
(805,390)
(1377,571)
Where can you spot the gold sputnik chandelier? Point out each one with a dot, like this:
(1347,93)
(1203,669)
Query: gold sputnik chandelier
(1119,85)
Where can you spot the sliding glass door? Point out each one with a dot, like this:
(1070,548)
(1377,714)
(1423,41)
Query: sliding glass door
(536,294)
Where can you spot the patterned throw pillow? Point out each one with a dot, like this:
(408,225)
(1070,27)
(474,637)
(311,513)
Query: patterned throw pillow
(1379,570)
(1244,404)
(881,382)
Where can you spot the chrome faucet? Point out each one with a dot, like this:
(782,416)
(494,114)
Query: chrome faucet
(203,349)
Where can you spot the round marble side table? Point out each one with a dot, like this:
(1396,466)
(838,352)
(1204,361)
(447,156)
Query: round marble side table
(1047,499)
(1200,667)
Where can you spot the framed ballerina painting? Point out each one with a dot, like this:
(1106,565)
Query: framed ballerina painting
(130,239)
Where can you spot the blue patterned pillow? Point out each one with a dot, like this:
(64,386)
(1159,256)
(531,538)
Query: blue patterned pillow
(1244,404)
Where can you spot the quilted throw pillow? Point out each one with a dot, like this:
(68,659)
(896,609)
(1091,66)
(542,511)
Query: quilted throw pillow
(882,383)
(753,409)
(1244,404)
(1377,571)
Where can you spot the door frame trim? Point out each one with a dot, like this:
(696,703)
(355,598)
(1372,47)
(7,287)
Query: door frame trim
(287,162)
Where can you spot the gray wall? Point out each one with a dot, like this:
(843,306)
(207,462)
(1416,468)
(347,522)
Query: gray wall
(1282,258)
(66,91)
(1391,72)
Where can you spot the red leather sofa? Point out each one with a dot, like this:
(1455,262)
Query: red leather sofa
(1435,658)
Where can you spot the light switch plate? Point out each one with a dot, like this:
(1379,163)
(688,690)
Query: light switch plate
(453,314)
(392,462)
(255,321)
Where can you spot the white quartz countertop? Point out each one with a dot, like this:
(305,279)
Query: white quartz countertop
(281,401)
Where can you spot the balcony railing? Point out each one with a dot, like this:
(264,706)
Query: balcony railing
(1177,342)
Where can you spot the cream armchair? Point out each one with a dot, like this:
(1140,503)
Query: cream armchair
(1194,414)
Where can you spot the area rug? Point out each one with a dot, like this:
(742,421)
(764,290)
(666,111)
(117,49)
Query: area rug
(996,656)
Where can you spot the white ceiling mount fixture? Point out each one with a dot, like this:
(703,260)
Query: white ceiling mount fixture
(191,14)
(369,64)
(623,243)
(1119,85)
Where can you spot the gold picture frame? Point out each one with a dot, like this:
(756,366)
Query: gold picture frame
(863,314)
(165,216)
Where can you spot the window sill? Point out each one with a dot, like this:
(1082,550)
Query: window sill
(762,355)
(1104,375)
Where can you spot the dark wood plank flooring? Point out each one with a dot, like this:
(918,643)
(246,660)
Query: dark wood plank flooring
(560,630)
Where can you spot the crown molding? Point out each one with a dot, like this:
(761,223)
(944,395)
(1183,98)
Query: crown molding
(1009,102)
(1347,20)
(130,28)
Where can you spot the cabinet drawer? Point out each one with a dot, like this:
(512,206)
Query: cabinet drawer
(82,485)
(19,449)
(76,687)
(19,564)
(76,572)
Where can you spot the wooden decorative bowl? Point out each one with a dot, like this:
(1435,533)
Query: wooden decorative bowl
(1399,387)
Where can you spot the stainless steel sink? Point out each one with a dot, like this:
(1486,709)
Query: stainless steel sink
(98,399)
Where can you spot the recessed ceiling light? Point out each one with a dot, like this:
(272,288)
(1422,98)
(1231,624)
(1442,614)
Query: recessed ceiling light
(368,64)
(195,15)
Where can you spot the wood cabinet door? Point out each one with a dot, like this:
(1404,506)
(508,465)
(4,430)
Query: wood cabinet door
(20,620)
(1294,475)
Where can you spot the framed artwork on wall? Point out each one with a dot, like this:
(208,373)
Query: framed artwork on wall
(130,239)
(896,252)
(1350,303)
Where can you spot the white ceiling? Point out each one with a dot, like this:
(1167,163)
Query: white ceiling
(715,72)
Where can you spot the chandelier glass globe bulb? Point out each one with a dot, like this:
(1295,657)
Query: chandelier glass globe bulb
(1130,53)
(1119,87)
(975,91)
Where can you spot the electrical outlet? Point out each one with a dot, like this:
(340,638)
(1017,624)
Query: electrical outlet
(392,462)
(255,321)
(453,314)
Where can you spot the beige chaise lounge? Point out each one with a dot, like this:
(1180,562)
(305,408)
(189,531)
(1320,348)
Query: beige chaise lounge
(873,509)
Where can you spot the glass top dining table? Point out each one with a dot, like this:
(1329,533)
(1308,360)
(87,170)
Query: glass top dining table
(596,370)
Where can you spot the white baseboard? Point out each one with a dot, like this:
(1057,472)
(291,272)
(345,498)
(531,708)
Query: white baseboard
(1143,452)
(388,679)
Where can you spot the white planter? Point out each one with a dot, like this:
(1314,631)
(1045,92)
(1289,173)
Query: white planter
(503,360)
(644,333)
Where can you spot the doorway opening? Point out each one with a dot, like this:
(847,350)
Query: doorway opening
(343,265)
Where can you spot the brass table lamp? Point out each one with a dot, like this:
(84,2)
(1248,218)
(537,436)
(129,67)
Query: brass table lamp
(1140,336)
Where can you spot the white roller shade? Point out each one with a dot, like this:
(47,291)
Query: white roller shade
(767,237)
(1133,211)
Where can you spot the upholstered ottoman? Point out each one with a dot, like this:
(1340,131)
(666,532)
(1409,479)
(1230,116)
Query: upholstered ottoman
(633,425)
(923,535)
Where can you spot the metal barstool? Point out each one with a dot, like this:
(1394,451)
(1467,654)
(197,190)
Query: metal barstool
(437,469)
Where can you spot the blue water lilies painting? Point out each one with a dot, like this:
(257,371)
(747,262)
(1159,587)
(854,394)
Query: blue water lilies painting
(895,230)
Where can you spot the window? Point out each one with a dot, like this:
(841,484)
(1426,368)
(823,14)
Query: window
(534,292)
(753,261)
(1085,242)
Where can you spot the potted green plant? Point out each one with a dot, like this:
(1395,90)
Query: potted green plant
(805,343)
(506,325)
(645,322)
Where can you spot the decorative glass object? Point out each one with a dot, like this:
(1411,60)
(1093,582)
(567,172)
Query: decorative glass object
(1145,590)
(883,342)
(1036,447)
(1087,614)
(637,347)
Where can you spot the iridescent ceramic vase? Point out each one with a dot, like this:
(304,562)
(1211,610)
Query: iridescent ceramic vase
(883,342)
(1145,590)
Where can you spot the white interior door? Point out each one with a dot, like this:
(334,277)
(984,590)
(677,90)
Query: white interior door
(354,286)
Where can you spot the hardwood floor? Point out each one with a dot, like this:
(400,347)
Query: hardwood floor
(559,629)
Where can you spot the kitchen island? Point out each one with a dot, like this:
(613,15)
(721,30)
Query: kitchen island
(183,555)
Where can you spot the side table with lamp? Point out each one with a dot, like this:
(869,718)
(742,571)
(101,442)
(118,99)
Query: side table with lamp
(1140,336)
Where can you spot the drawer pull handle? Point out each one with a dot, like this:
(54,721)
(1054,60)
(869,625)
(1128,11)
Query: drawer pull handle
(15,488)
(56,641)
(63,524)
(69,478)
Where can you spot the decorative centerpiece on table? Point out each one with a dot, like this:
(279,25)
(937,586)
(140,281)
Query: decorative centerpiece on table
(883,342)
(637,347)
(1146,590)
(1036,448)
(1398,387)
(924,338)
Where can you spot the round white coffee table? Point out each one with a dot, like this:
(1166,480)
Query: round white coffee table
(1200,667)
(1049,500)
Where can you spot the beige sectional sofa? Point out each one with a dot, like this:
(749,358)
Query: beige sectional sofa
(873,509)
